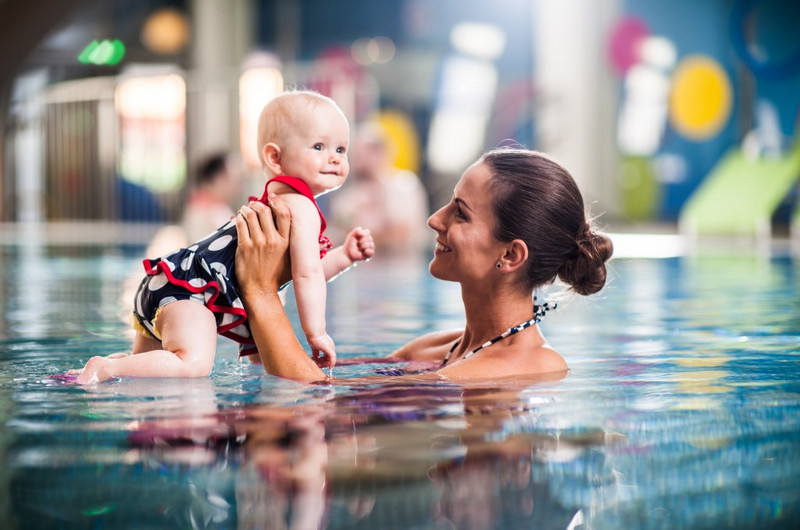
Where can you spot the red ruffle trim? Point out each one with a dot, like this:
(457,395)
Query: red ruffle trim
(223,330)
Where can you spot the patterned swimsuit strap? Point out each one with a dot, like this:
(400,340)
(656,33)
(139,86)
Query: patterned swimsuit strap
(538,312)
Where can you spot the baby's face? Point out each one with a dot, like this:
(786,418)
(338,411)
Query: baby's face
(317,152)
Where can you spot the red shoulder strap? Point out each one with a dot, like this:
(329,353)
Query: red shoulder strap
(300,186)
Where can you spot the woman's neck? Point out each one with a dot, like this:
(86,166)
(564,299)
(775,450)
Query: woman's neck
(489,314)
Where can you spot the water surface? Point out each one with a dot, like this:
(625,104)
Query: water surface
(681,410)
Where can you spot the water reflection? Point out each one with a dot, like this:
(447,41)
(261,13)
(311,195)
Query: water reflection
(358,455)
(680,410)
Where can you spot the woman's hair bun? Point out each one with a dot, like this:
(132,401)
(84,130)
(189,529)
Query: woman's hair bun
(585,270)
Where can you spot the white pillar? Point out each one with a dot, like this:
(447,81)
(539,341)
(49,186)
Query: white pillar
(577,93)
(29,147)
(222,36)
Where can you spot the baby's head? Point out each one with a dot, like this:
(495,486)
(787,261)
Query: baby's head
(306,135)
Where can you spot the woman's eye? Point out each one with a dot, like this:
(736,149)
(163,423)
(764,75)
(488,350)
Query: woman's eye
(459,213)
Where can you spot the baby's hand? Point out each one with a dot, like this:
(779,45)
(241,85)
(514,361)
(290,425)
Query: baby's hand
(358,245)
(323,350)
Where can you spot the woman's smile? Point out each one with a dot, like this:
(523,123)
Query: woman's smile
(441,248)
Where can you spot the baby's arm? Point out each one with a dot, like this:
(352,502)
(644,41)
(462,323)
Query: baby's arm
(358,246)
(308,277)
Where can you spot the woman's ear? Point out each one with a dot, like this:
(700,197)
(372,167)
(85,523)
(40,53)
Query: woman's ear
(515,256)
(271,154)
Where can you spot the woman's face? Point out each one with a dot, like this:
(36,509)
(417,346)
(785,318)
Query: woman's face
(466,250)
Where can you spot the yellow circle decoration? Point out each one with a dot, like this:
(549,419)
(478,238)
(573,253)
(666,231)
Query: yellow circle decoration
(701,98)
(401,130)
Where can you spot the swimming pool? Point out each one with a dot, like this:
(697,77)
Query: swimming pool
(681,410)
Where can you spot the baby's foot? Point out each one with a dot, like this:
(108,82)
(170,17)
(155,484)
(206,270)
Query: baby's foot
(68,378)
(97,370)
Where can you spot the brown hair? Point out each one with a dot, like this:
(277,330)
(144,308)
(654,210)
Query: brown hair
(536,200)
(211,167)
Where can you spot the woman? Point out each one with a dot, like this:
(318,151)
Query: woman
(516,222)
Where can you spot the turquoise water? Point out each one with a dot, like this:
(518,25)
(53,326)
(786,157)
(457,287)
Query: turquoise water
(681,410)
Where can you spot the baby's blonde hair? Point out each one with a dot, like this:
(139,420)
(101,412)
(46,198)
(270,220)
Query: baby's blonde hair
(281,116)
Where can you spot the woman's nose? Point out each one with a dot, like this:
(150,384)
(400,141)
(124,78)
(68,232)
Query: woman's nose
(435,221)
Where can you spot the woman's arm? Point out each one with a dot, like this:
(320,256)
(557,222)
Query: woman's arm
(262,265)
(431,347)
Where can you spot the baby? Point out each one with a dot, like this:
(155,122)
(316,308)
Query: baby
(189,296)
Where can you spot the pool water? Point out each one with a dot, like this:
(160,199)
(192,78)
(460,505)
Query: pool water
(681,410)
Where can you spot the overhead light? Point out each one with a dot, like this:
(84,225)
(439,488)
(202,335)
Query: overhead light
(484,41)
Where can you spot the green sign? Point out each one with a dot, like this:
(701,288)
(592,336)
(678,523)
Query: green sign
(106,52)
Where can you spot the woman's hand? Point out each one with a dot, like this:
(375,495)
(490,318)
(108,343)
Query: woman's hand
(262,266)
(262,260)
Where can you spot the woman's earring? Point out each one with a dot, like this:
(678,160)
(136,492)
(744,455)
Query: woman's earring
(499,265)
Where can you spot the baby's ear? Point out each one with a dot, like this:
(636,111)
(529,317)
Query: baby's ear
(271,154)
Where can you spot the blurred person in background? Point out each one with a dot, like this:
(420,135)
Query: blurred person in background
(219,184)
(390,200)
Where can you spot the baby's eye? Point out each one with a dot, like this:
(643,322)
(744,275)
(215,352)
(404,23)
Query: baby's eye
(341,150)
(318,147)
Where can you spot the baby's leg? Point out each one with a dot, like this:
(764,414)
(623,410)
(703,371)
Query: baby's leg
(142,343)
(189,338)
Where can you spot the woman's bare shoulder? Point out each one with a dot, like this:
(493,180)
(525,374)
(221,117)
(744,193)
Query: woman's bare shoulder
(429,347)
(546,359)
(515,360)
(540,359)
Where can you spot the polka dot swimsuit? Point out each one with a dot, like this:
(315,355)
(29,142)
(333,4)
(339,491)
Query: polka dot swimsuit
(205,272)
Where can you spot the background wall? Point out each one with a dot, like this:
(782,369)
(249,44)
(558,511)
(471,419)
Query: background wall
(712,28)
(552,84)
